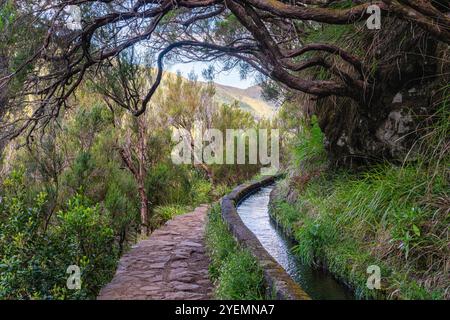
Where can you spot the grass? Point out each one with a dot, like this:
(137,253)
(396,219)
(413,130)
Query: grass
(161,214)
(235,272)
(330,34)
(394,216)
(202,193)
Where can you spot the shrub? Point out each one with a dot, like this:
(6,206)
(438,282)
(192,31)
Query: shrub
(36,254)
(201,192)
(234,270)
(161,214)
(122,205)
(240,278)
(85,239)
(167,183)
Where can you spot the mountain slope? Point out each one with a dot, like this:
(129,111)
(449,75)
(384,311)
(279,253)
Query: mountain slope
(249,99)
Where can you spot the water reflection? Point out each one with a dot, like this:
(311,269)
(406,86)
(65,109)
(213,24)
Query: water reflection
(317,283)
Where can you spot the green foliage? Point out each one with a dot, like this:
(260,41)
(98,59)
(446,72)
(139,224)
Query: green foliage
(240,278)
(16,45)
(35,256)
(87,240)
(168,183)
(161,214)
(220,190)
(219,241)
(342,4)
(83,166)
(121,203)
(434,144)
(235,271)
(290,116)
(7,15)
(339,222)
(228,27)
(201,191)
(388,215)
(330,33)
(231,117)
(309,150)
(289,216)
(76,200)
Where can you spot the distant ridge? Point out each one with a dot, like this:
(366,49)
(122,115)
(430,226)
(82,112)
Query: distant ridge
(249,99)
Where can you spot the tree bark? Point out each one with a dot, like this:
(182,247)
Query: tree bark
(142,173)
(139,172)
(144,210)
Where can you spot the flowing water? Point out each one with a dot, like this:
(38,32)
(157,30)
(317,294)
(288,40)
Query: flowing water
(319,284)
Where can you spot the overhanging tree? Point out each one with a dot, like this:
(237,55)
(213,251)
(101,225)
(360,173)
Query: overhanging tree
(266,36)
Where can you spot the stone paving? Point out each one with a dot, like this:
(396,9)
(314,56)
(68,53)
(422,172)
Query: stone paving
(170,264)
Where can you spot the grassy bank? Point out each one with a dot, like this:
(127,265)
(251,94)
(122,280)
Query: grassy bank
(395,216)
(391,217)
(235,272)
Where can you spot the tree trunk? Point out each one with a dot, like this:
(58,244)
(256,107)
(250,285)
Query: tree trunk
(200,164)
(3,96)
(140,171)
(386,125)
(144,210)
(142,174)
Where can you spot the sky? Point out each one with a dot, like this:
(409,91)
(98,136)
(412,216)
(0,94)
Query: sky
(229,78)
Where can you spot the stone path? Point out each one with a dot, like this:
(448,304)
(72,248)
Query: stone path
(171,264)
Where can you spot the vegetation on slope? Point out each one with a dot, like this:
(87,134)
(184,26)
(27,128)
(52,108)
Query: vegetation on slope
(70,198)
(249,100)
(395,216)
(234,270)
(69,97)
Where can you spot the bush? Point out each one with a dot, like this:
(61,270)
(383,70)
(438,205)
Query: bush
(200,192)
(240,278)
(167,183)
(36,254)
(161,214)
(123,207)
(234,270)
(85,239)
(389,216)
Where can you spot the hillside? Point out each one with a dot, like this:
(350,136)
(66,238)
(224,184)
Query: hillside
(250,99)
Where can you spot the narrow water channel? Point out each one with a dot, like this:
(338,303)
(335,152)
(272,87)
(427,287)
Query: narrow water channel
(254,212)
